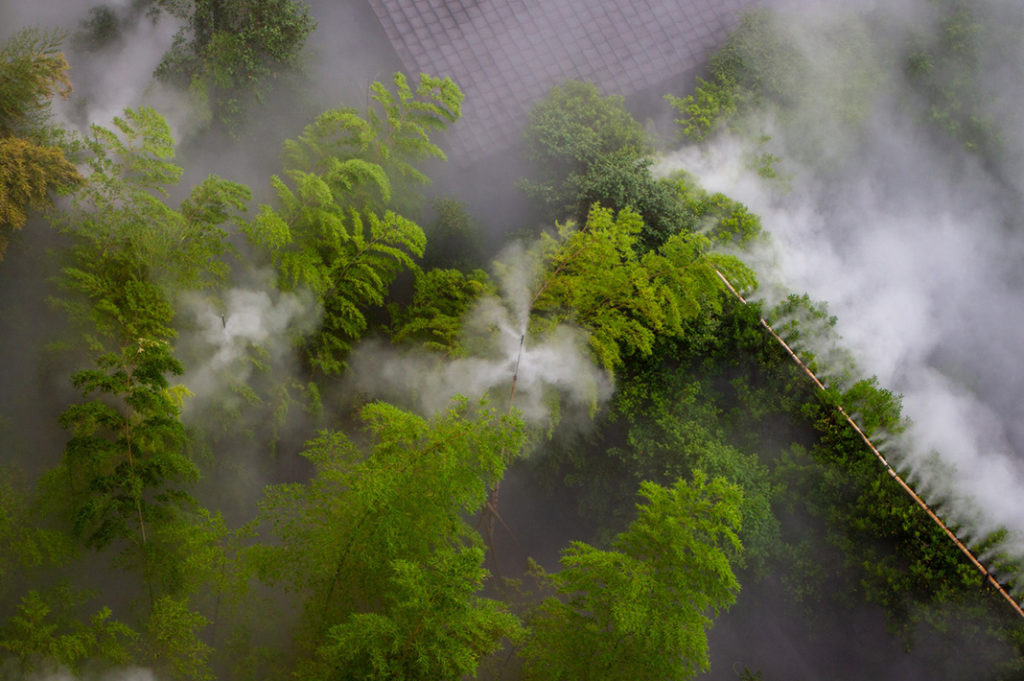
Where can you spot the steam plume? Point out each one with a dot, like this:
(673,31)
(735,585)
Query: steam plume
(559,361)
(915,243)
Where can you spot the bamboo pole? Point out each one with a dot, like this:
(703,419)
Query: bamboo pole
(989,578)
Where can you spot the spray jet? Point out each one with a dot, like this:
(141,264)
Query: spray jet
(987,577)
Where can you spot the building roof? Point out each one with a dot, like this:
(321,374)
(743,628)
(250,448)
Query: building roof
(507,54)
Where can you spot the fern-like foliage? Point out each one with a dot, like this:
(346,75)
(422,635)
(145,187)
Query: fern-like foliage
(598,279)
(123,478)
(441,299)
(338,229)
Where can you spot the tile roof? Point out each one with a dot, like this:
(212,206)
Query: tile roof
(507,54)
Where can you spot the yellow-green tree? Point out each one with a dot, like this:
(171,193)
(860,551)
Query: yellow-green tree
(32,166)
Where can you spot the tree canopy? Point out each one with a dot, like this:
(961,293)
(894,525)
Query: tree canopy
(32,165)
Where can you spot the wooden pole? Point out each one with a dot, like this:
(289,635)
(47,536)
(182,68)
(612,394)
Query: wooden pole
(888,469)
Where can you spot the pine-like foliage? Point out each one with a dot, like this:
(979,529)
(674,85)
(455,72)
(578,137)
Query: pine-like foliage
(336,231)
(640,610)
(123,476)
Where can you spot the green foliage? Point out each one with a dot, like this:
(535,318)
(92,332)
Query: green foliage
(441,299)
(640,610)
(713,102)
(173,644)
(123,478)
(453,240)
(32,167)
(127,451)
(588,149)
(367,519)
(27,545)
(624,299)
(29,173)
(228,54)
(101,27)
(371,155)
(946,69)
(675,425)
(575,125)
(46,632)
(724,220)
(757,65)
(32,71)
(432,626)
(767,69)
(333,232)
(126,238)
(123,462)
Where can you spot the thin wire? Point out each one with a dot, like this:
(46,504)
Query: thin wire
(889,469)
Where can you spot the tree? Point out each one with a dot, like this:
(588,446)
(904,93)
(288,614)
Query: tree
(378,539)
(123,479)
(441,298)
(575,127)
(624,299)
(45,632)
(228,52)
(32,71)
(588,149)
(641,609)
(433,626)
(334,231)
(32,166)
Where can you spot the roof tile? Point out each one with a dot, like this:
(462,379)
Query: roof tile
(506,54)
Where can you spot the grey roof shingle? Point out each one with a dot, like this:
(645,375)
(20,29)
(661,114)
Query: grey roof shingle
(507,54)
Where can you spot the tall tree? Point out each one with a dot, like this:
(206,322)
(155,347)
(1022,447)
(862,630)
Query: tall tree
(125,471)
(127,246)
(378,544)
(641,610)
(335,232)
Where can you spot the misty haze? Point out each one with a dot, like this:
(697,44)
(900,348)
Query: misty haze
(532,339)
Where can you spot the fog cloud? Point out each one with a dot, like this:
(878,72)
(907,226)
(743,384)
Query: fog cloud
(915,243)
(557,363)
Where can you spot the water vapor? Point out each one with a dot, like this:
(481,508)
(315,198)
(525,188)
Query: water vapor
(224,342)
(554,367)
(915,242)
